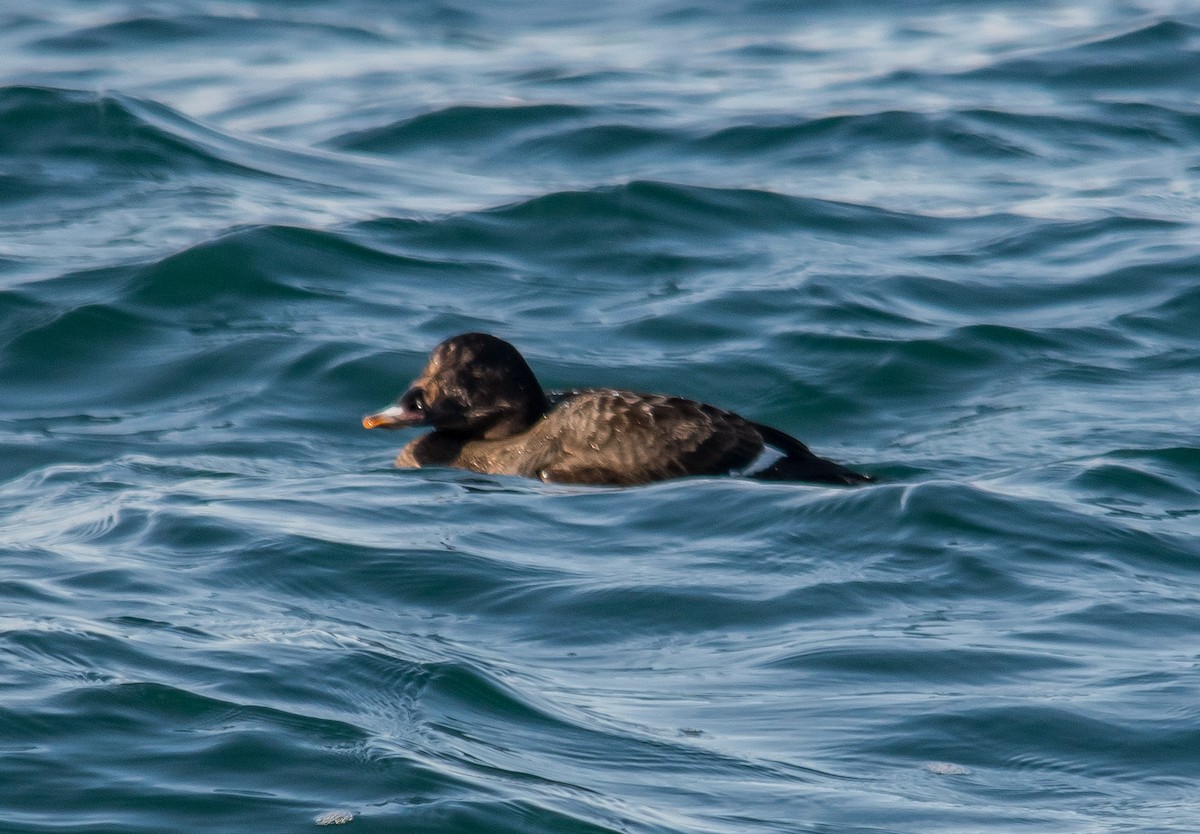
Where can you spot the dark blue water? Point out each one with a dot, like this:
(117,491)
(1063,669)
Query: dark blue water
(953,244)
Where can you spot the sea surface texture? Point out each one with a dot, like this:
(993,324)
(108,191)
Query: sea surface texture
(953,244)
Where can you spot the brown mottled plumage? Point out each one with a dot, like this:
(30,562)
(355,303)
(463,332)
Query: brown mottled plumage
(490,415)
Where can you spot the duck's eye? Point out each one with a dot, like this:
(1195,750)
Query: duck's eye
(414,399)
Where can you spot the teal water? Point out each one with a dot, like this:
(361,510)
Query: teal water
(952,244)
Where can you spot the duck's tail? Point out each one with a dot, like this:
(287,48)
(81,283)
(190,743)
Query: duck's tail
(800,464)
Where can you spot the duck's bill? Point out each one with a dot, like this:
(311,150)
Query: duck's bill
(394,417)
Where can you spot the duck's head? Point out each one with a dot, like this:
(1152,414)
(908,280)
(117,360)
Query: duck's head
(474,384)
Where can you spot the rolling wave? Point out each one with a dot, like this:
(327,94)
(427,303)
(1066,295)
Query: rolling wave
(1159,54)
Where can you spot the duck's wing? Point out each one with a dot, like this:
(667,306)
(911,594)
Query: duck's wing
(598,436)
(800,464)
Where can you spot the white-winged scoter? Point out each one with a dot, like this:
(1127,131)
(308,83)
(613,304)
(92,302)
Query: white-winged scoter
(490,415)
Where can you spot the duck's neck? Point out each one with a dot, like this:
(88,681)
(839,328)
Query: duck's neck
(518,418)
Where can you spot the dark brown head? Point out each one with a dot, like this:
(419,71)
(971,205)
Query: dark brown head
(474,384)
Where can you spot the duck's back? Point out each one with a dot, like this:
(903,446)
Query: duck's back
(603,436)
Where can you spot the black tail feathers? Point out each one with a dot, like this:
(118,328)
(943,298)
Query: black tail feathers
(800,464)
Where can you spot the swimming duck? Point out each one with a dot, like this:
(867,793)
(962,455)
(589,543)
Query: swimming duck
(489,414)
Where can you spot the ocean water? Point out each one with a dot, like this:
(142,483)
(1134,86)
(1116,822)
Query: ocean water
(953,244)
